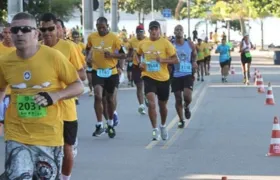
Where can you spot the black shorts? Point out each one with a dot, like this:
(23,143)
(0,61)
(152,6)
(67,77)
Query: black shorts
(245,60)
(222,64)
(136,74)
(109,84)
(160,88)
(207,59)
(70,132)
(180,83)
(129,68)
(200,61)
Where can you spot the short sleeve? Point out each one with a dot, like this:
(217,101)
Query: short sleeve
(130,44)
(170,49)
(117,44)
(139,49)
(75,58)
(89,45)
(65,70)
(81,56)
(218,48)
(3,82)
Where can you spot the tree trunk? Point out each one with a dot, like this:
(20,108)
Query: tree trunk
(139,16)
(242,26)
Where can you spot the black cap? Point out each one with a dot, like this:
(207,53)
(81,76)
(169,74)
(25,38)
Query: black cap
(154,24)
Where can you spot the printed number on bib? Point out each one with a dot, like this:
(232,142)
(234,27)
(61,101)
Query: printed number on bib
(27,108)
(153,66)
(248,54)
(185,67)
(104,73)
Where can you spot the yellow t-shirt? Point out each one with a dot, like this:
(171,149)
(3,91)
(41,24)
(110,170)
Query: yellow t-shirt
(4,50)
(70,52)
(150,49)
(79,52)
(82,46)
(207,49)
(47,71)
(200,52)
(134,43)
(99,44)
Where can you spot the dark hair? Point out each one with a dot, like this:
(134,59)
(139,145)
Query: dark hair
(24,16)
(102,20)
(61,22)
(75,33)
(48,17)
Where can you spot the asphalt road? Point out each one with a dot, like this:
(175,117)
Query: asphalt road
(228,135)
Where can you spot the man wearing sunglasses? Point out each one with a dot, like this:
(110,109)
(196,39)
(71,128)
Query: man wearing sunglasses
(6,47)
(40,77)
(48,23)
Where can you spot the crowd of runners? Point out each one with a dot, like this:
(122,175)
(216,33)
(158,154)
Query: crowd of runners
(41,80)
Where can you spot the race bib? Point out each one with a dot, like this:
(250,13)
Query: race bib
(27,108)
(200,55)
(104,73)
(248,55)
(130,64)
(185,67)
(153,66)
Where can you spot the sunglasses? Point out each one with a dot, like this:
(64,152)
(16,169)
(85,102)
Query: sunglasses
(50,29)
(23,29)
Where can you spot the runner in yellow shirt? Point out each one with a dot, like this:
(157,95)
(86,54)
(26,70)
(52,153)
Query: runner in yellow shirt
(207,56)
(39,77)
(6,47)
(50,32)
(154,55)
(200,48)
(106,51)
(136,72)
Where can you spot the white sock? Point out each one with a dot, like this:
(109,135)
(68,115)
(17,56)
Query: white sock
(142,105)
(115,112)
(163,125)
(155,129)
(110,122)
(100,123)
(63,177)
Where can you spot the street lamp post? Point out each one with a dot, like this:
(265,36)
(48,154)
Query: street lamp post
(207,20)
(189,18)
(152,8)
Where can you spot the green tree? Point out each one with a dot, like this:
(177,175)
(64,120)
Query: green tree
(61,8)
(3,12)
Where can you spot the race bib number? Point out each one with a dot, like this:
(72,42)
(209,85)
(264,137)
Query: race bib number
(153,66)
(185,67)
(130,64)
(27,108)
(104,73)
(248,55)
